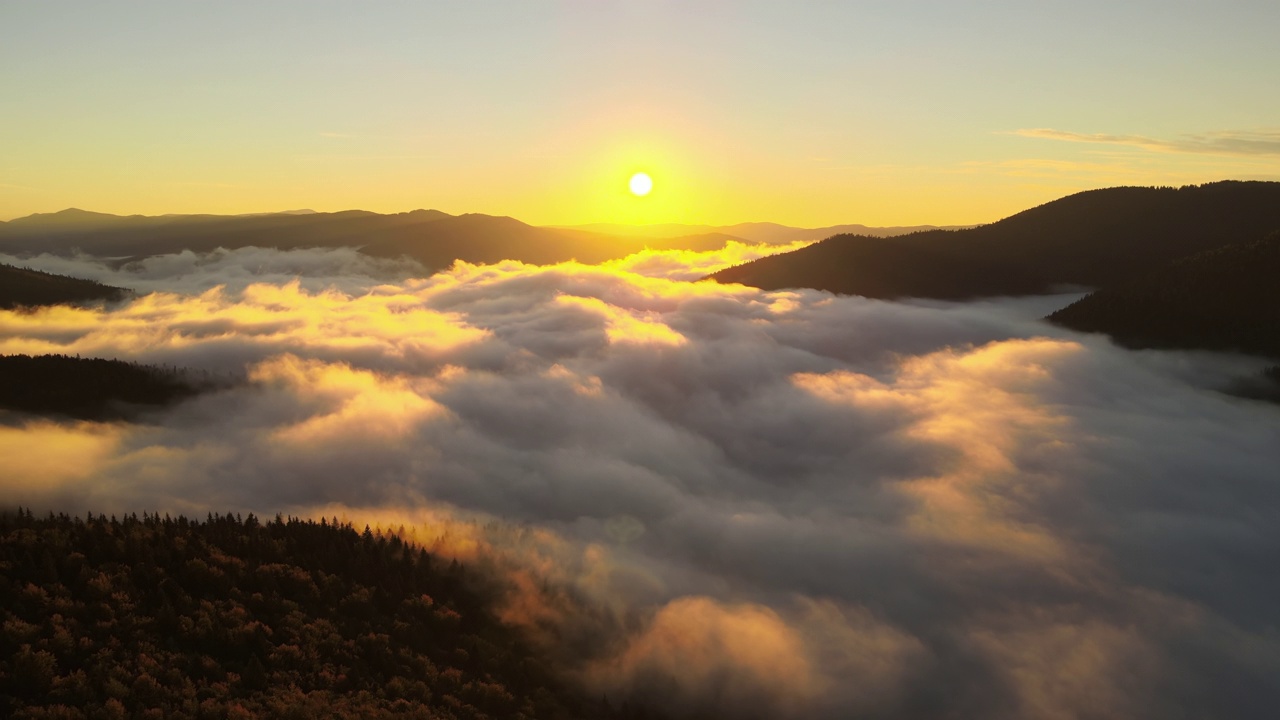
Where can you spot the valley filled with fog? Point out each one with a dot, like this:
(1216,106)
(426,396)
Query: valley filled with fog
(786,504)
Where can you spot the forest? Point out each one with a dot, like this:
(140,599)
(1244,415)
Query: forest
(92,388)
(231,617)
(1224,299)
(21,287)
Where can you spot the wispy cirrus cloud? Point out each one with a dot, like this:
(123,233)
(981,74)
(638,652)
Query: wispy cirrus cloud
(1226,142)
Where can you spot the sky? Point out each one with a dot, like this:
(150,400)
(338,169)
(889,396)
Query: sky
(808,114)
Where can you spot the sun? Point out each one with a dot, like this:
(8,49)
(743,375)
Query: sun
(641,184)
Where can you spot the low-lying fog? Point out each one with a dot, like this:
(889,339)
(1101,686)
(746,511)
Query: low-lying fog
(782,505)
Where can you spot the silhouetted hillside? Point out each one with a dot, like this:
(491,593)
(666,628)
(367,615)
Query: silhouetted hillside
(112,235)
(431,237)
(489,239)
(1223,299)
(88,388)
(20,287)
(1092,238)
(74,218)
(231,618)
(753,232)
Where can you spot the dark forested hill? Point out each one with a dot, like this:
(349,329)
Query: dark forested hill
(113,235)
(1092,238)
(1223,299)
(489,239)
(89,388)
(20,287)
(231,618)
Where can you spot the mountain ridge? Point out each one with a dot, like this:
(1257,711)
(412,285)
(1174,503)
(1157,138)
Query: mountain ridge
(23,287)
(1092,239)
(760,232)
(1225,299)
(433,238)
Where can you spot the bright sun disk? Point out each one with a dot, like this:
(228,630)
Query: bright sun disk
(641,184)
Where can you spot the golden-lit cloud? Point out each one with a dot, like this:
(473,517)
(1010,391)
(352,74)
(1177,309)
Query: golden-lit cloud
(1227,142)
(624,326)
(785,504)
(47,456)
(360,406)
(974,406)
(749,653)
(811,657)
(280,316)
(689,265)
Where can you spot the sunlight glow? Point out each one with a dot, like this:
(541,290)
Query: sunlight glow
(641,184)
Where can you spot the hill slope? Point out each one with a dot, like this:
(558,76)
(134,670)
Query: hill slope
(114,235)
(433,238)
(490,239)
(1092,238)
(1222,299)
(88,388)
(234,618)
(20,287)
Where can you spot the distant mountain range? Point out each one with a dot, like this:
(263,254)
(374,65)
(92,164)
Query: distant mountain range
(1092,239)
(115,235)
(756,232)
(434,238)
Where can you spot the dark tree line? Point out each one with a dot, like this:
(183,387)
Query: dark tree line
(21,287)
(1223,299)
(91,388)
(232,617)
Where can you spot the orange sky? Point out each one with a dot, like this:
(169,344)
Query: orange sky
(808,115)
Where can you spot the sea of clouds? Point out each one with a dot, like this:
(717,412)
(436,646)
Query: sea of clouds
(771,505)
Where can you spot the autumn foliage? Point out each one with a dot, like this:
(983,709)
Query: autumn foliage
(235,618)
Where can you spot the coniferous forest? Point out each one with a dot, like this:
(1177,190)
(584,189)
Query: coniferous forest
(153,617)
(90,388)
(22,287)
(1225,299)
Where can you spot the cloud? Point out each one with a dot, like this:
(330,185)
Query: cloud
(344,268)
(750,661)
(784,504)
(689,265)
(1261,142)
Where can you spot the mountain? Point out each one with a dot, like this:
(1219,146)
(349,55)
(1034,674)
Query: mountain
(434,238)
(1093,238)
(489,239)
(114,236)
(1222,299)
(90,388)
(20,287)
(752,232)
(72,218)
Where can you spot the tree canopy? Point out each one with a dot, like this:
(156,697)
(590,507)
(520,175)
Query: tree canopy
(232,617)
